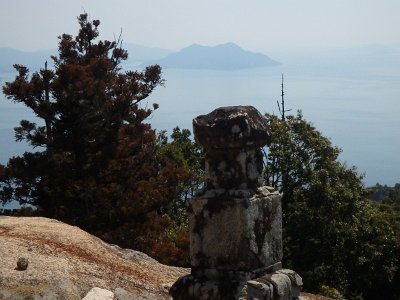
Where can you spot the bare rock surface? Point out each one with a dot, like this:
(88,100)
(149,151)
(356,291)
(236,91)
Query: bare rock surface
(99,294)
(232,127)
(308,296)
(66,262)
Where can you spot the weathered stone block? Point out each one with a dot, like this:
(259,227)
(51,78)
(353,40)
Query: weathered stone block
(236,233)
(235,225)
(233,137)
(296,280)
(194,288)
(282,286)
(279,285)
(259,290)
(234,169)
(232,127)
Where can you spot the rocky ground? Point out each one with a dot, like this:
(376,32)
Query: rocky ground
(65,262)
(308,296)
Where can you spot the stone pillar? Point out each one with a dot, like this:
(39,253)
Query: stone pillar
(235,223)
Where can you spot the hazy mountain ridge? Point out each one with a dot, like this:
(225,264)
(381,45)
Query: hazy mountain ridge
(227,56)
(35,60)
(221,57)
(140,54)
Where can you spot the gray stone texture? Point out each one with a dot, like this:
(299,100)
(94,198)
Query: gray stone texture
(236,233)
(233,169)
(272,286)
(22,264)
(235,224)
(233,137)
(97,293)
(260,290)
(232,127)
(296,281)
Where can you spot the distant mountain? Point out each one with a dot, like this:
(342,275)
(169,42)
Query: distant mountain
(222,57)
(138,53)
(35,60)
(32,60)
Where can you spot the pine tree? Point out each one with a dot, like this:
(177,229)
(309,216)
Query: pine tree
(98,164)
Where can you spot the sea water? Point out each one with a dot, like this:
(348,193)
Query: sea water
(356,107)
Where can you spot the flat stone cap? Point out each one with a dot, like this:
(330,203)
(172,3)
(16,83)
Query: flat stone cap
(232,127)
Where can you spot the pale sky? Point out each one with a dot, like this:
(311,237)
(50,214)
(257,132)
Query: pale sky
(257,25)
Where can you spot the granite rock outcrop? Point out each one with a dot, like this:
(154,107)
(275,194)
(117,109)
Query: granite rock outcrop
(66,262)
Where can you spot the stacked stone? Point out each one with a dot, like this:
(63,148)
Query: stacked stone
(235,223)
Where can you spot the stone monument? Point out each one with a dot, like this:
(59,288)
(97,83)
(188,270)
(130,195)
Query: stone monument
(235,222)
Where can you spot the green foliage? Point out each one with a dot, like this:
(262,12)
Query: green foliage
(389,206)
(332,235)
(187,156)
(384,192)
(99,166)
(173,246)
(330,292)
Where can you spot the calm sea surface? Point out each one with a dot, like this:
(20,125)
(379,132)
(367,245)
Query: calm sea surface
(358,108)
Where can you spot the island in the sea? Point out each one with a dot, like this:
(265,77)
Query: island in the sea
(227,56)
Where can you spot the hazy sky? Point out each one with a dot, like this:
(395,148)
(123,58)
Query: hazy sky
(258,25)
